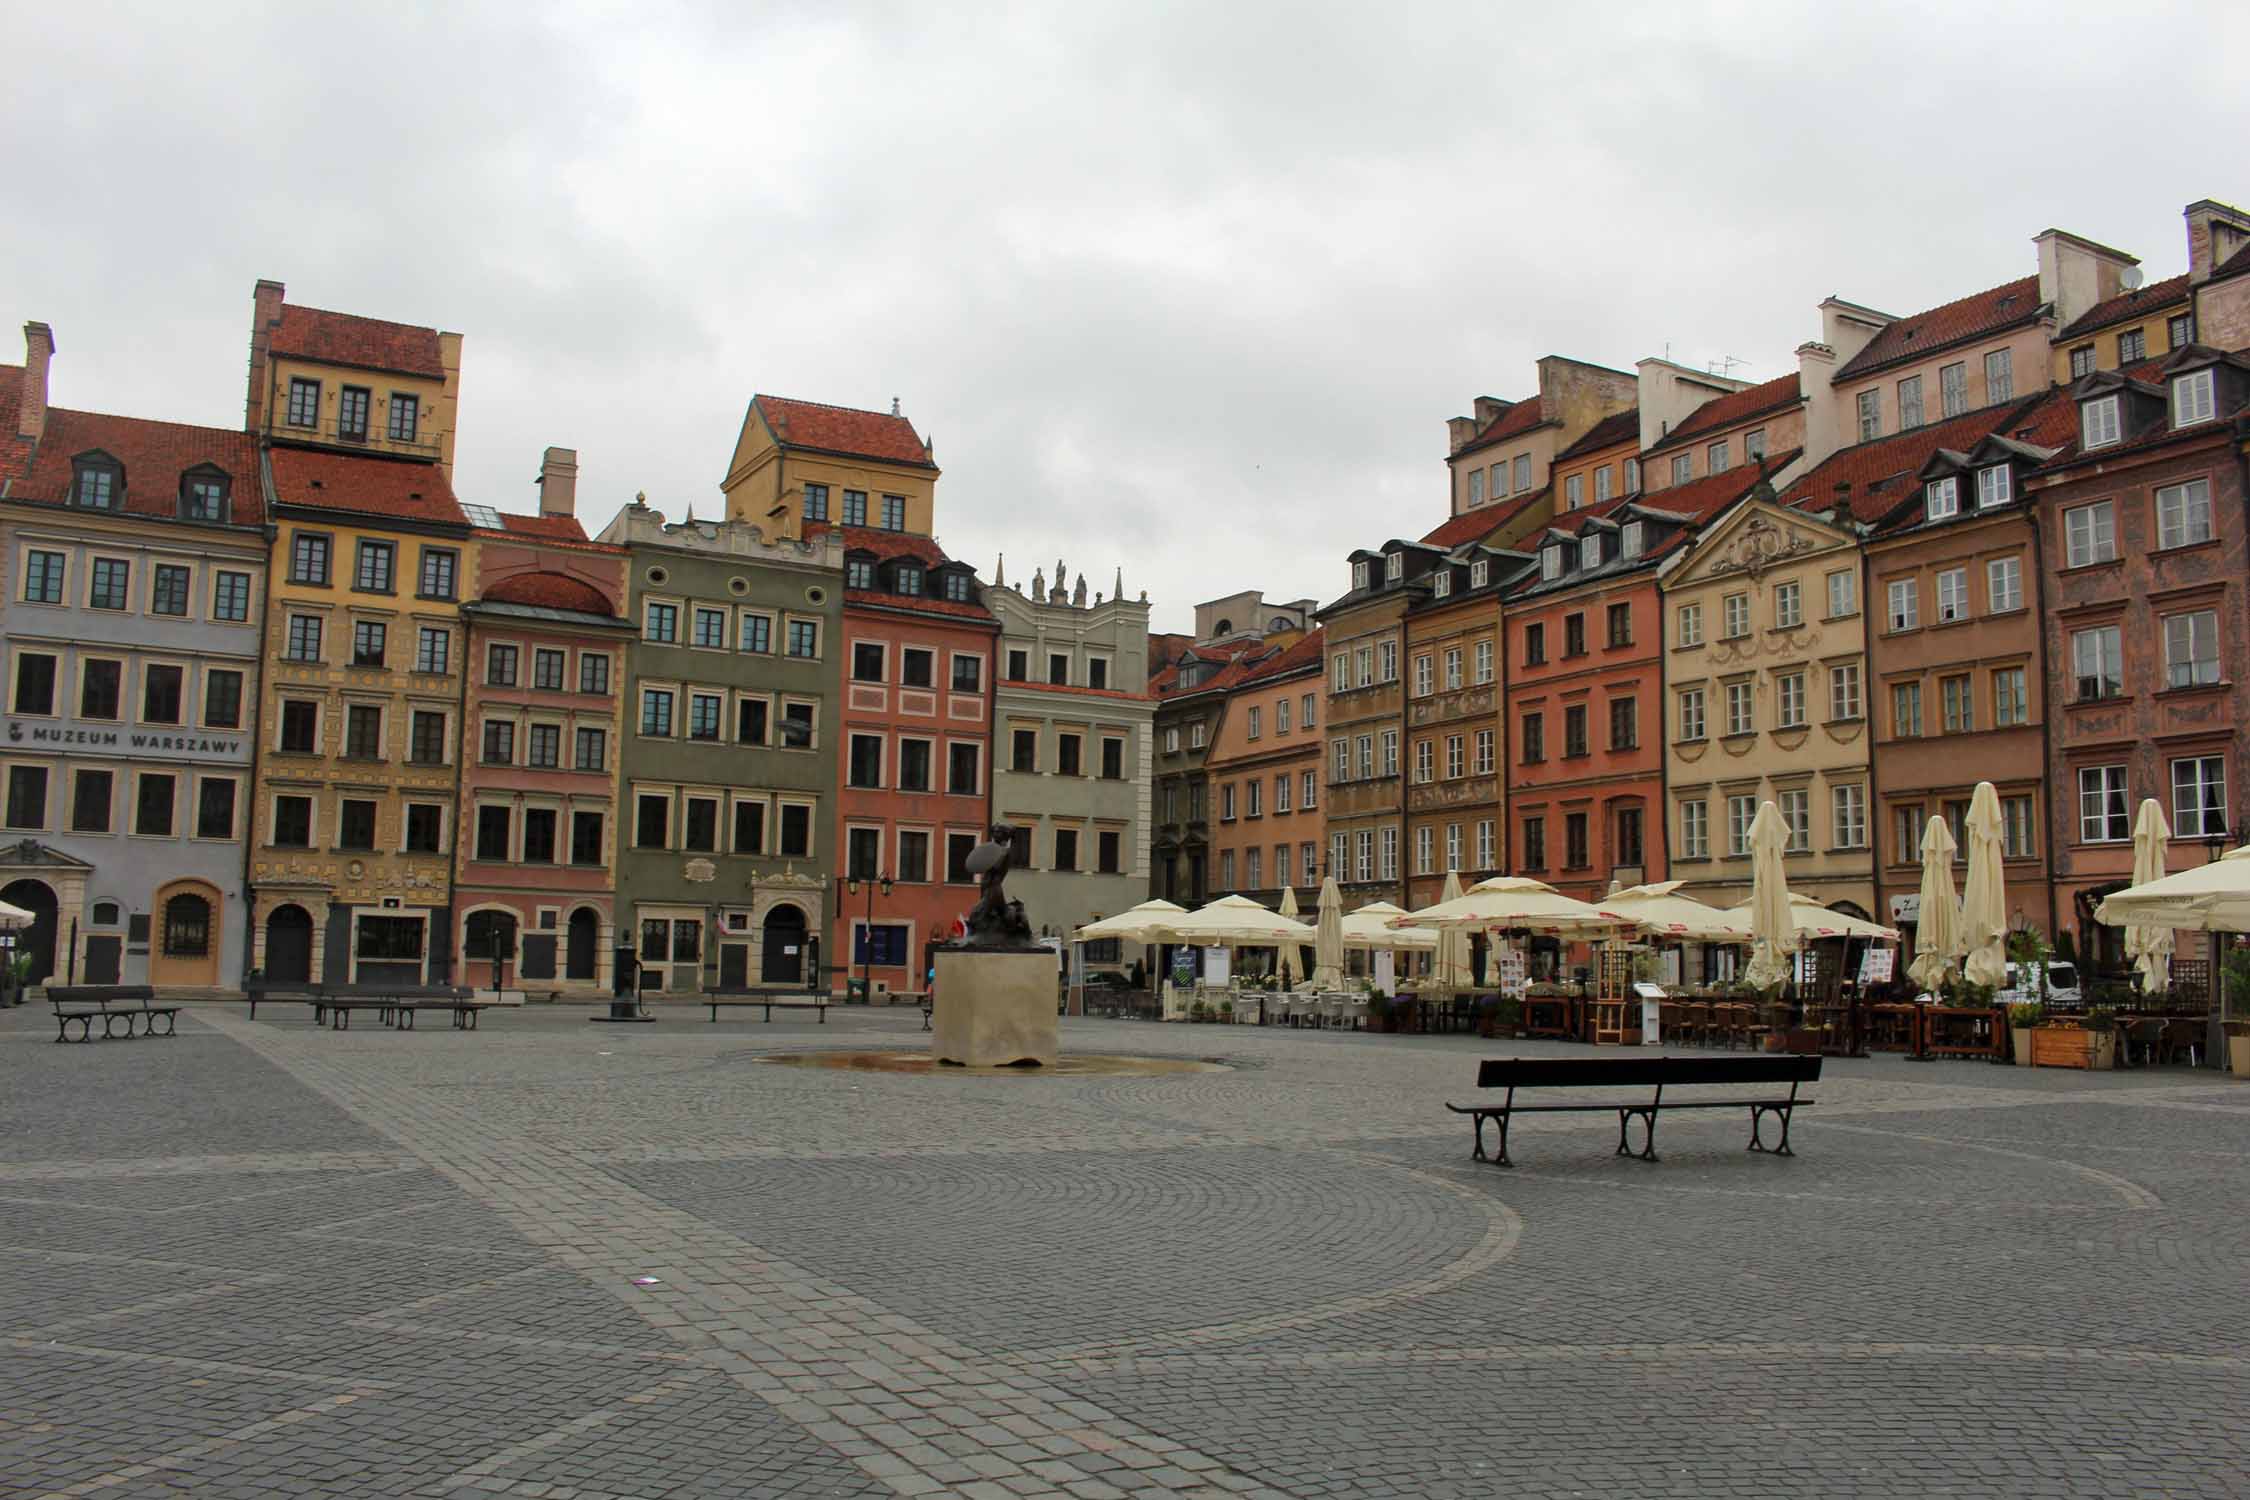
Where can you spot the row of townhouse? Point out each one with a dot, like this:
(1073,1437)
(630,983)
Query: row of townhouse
(279,702)
(2002,539)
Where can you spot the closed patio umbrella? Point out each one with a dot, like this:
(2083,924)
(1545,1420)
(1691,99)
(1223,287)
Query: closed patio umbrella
(1984,904)
(2150,944)
(1937,934)
(1289,950)
(1328,941)
(1773,933)
(1453,944)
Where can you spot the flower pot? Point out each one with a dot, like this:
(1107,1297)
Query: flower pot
(2019,1038)
(2238,1053)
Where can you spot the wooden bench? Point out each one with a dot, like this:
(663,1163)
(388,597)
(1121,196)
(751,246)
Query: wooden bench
(461,1003)
(396,1004)
(289,992)
(770,999)
(132,1004)
(1653,1073)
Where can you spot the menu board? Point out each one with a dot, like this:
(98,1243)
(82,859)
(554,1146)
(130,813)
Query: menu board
(1508,971)
(1877,964)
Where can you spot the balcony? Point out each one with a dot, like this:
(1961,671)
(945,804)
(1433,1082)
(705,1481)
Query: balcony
(372,436)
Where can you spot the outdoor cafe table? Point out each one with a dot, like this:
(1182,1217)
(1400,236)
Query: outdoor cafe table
(1554,1015)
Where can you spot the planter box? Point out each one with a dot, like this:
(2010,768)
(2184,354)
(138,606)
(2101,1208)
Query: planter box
(2238,1054)
(2021,1036)
(2072,1047)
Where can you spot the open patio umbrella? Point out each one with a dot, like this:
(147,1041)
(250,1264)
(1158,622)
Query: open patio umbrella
(1666,915)
(1149,922)
(1812,920)
(1370,927)
(1328,940)
(2208,898)
(1937,933)
(2148,943)
(1235,921)
(1515,903)
(1984,902)
(14,917)
(1289,950)
(1773,935)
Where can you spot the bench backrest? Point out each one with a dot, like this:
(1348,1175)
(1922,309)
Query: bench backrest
(99,994)
(395,992)
(1644,1072)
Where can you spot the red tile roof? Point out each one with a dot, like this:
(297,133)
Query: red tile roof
(843,429)
(1078,692)
(2146,434)
(2129,305)
(1514,422)
(921,604)
(1986,313)
(155,455)
(336,338)
(15,453)
(1882,474)
(546,528)
(886,545)
(1618,427)
(1476,525)
(1307,651)
(550,591)
(1240,657)
(364,485)
(1736,406)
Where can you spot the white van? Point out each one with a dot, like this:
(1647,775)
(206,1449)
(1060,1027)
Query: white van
(2023,985)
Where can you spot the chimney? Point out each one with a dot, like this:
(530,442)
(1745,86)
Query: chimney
(38,351)
(558,482)
(265,317)
(1458,431)
(2214,231)
(449,360)
(2075,273)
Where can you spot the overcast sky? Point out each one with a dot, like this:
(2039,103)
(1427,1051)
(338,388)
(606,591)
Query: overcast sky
(1187,289)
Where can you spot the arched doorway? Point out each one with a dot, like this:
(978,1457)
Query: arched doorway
(583,944)
(289,935)
(184,947)
(783,959)
(490,939)
(38,940)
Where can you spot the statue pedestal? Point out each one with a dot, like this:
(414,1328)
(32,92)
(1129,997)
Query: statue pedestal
(994,1008)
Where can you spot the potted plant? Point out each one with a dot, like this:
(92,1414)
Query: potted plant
(2021,1019)
(1226,1010)
(1378,1010)
(1199,1012)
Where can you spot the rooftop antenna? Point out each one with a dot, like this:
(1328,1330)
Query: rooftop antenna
(1724,366)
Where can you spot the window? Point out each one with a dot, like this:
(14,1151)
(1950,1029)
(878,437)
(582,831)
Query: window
(112,584)
(1359,575)
(964,768)
(406,414)
(1603,489)
(425,744)
(1486,739)
(1113,759)
(1196,734)
(656,712)
(1630,540)
(1366,748)
(866,761)
(439,568)
(90,794)
(2183,513)
(1953,389)
(859,573)
(1683,467)
(1996,485)
(1425,761)
(1910,402)
(1550,563)
(539,835)
(894,512)
(2180,329)
(2003,584)
(591,749)
(1906,603)
(586,838)
(661,623)
(27,796)
(1254,727)
(1870,415)
(1535,843)
(2097,661)
(1476,486)
(855,507)
(1523,471)
(1691,713)
(1452,668)
(907,579)
(1456,752)
(500,665)
(652,821)
(495,830)
(1790,700)
(1281,715)
(757,633)
(710,629)
(1534,739)
(543,746)
(2090,534)
(1452,846)
(1847,809)
(1691,624)
(1066,849)
(816,502)
(1957,705)
(499,743)
(968,674)
(95,484)
(1788,605)
(1624,723)
(304,402)
(914,766)
(101,689)
(1843,691)
(804,639)
(1736,608)
(1632,476)
(2010,705)
(372,572)
(917,667)
(1387,661)
(222,699)
(1941,498)
(796,830)
(1574,491)
(2191,649)
(699,824)
(1796,811)
(160,694)
(1741,810)
(1254,798)
(2102,814)
(1906,710)
(1281,787)
(1620,625)
(1441,584)
(1741,715)
(1574,635)
(2081,361)
(1024,750)
(1390,752)
(292,822)
(304,638)
(749,827)
(168,595)
(43,577)
(153,801)
(1695,830)
(300,727)
(1999,377)
(1716,458)
(351,413)
(2097,421)
(1576,854)
(35,682)
(433,650)
(369,638)
(1067,762)
(2018,837)
(867,661)
(1534,645)
(2132,347)
(1953,595)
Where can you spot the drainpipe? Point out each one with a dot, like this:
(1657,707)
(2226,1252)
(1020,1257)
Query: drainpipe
(1867,707)
(2046,716)
(254,703)
(461,744)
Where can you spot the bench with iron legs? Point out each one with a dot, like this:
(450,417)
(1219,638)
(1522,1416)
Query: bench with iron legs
(1655,1074)
(396,1004)
(771,1000)
(293,992)
(131,1007)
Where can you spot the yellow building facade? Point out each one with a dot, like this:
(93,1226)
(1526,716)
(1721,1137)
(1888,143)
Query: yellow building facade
(799,461)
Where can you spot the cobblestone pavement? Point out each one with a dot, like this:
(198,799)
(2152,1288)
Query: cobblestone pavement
(555,1260)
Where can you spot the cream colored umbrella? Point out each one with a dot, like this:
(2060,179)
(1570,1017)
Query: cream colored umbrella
(2150,944)
(1236,921)
(1515,903)
(1812,920)
(1370,927)
(1328,940)
(1149,922)
(14,917)
(2208,898)
(1773,932)
(1289,950)
(1937,932)
(1984,901)
(1453,968)
(1663,913)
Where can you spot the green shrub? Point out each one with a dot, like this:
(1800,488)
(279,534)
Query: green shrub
(2026,1015)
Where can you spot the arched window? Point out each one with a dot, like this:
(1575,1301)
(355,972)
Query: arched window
(106,914)
(187,927)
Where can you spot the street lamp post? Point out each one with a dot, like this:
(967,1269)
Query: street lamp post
(852,885)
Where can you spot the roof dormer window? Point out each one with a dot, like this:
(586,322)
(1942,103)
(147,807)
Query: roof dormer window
(2097,422)
(1995,486)
(1479,572)
(1550,562)
(1941,498)
(1359,575)
(203,496)
(2192,400)
(97,482)
(1590,550)
(1442,584)
(957,588)
(1394,567)
(859,573)
(1633,539)
(909,578)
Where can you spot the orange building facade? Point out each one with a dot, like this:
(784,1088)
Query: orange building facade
(1264,773)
